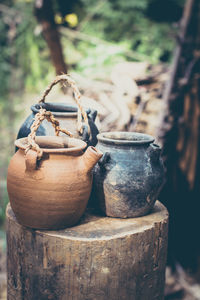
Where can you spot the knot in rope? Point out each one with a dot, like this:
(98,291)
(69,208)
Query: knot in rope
(39,117)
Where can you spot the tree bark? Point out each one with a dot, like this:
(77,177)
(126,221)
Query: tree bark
(100,258)
(45,16)
(180,138)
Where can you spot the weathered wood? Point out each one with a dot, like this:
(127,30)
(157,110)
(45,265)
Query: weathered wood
(101,258)
(179,135)
(45,15)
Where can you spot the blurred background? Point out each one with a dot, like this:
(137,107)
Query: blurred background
(138,64)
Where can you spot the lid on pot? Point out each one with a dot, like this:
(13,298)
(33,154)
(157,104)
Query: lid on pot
(125,138)
(58,109)
(55,144)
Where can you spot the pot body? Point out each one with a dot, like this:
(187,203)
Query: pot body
(128,178)
(66,114)
(54,195)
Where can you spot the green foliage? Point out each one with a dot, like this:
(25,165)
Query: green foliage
(116,19)
(24,59)
(22,47)
(126,22)
(113,31)
(3,240)
(3,201)
(24,65)
(98,59)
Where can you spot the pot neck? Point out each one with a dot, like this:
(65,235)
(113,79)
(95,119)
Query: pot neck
(58,109)
(125,139)
(55,145)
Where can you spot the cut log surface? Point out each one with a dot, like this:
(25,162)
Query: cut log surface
(99,259)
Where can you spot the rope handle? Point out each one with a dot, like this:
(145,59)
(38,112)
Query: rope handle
(77,96)
(39,117)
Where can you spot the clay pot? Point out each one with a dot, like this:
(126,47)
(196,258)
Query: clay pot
(79,121)
(49,178)
(66,114)
(51,193)
(128,178)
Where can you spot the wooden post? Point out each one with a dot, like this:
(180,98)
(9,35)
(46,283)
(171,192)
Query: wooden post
(101,258)
(179,135)
(45,15)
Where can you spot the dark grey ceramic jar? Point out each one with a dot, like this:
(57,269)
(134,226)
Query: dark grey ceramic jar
(128,178)
(66,114)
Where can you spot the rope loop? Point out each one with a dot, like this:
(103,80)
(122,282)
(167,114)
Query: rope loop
(77,96)
(39,117)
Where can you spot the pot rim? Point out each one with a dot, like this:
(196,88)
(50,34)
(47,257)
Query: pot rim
(125,138)
(73,146)
(58,109)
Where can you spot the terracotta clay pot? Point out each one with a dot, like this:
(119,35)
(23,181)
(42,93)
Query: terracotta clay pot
(51,193)
(128,178)
(50,178)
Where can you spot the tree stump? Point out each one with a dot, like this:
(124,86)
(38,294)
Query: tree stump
(101,258)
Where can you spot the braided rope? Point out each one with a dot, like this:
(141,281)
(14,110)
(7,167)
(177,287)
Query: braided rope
(77,97)
(39,117)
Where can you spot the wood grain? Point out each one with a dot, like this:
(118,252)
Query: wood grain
(101,258)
